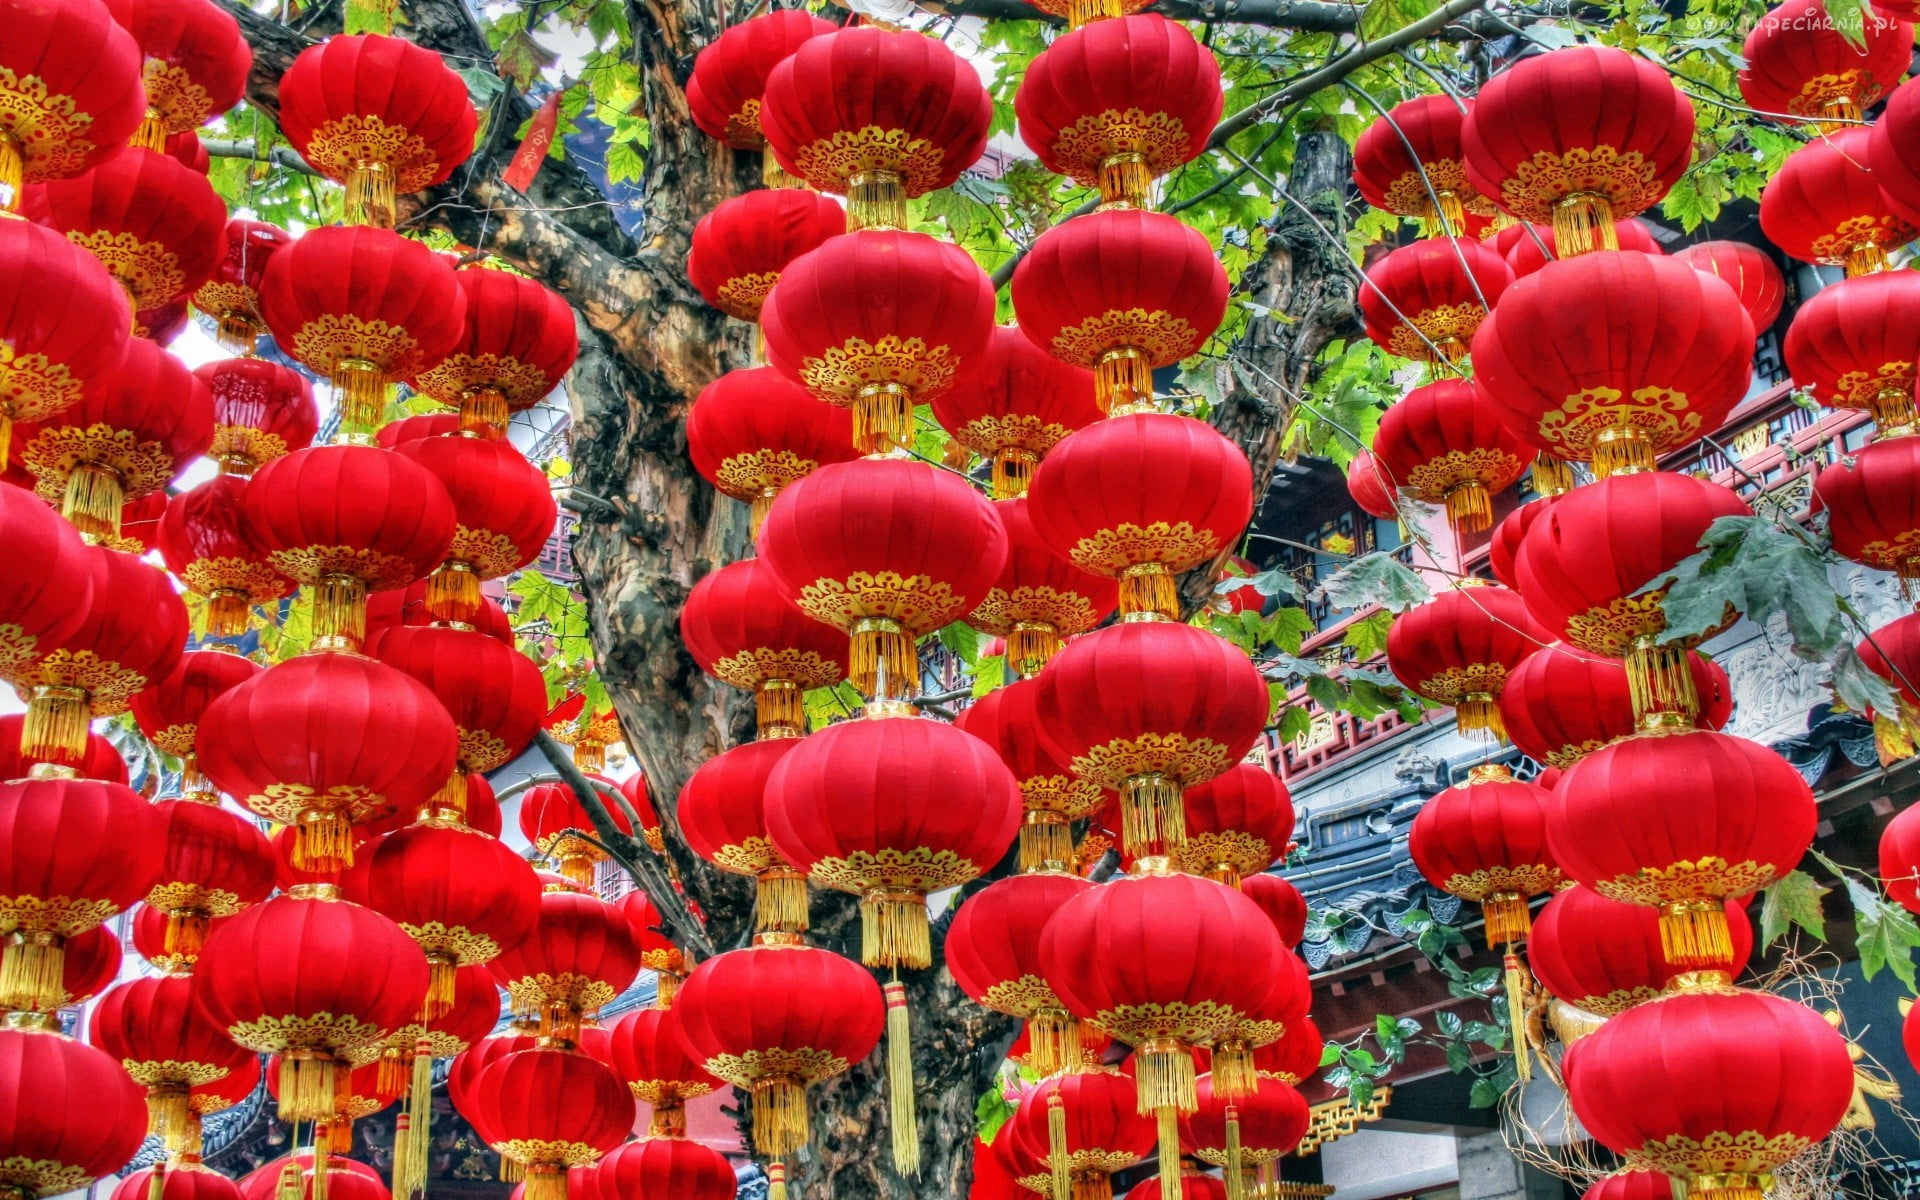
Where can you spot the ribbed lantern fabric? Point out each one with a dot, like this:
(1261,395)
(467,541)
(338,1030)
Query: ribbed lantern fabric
(892,809)
(68,1113)
(72,93)
(216,863)
(1751,272)
(1486,841)
(876,116)
(1605,956)
(1800,68)
(503,511)
(1419,137)
(124,441)
(1631,1185)
(494,693)
(1647,354)
(752,432)
(1895,137)
(741,625)
(92,962)
(1164,963)
(156,1031)
(1872,499)
(660,1167)
(1851,346)
(888,551)
(49,598)
(325,741)
(993,950)
(1086,503)
(346,1179)
(1563,703)
(1282,902)
(1585,559)
(1116,104)
(1052,796)
(1244,1131)
(261,410)
(1900,860)
(99,761)
(1823,206)
(648,1054)
(772,1019)
(1893,653)
(1528,247)
(578,956)
(1423,301)
(1445,447)
(722,816)
(156,225)
(203,544)
(741,247)
(1071,1133)
(187,1180)
(1238,824)
(346,520)
(321,981)
(549,815)
(363,307)
(1176,706)
(548,1109)
(658,953)
(74,852)
(1041,599)
(1015,406)
(63,324)
(195,63)
(1763,1079)
(879,321)
(1579,137)
(1372,487)
(1123,292)
(1611,826)
(518,341)
(232,296)
(1458,648)
(730,74)
(342,112)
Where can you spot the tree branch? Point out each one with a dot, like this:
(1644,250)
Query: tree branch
(1305,16)
(279,156)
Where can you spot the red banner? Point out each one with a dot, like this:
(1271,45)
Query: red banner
(532,152)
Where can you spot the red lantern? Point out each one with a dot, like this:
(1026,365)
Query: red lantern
(139,524)
(888,551)
(232,296)
(504,513)
(1116,104)
(752,432)
(1528,247)
(1052,796)
(1658,355)
(1562,703)
(1072,1133)
(101,760)
(1017,405)
(364,307)
(1238,825)
(153,1028)
(494,693)
(772,1019)
(129,638)
(657,951)
(548,1109)
(730,74)
(261,410)
(722,817)
(124,441)
(1458,648)
(1295,1058)
(879,321)
(1580,137)
(741,627)
(1176,706)
(664,1167)
(1872,498)
(1410,163)
(550,817)
(1762,1080)
(344,1179)
(196,63)
(741,247)
(72,95)
(63,322)
(1631,1185)
(993,950)
(578,956)
(1280,900)
(147,932)
(1852,346)
(320,981)
(408,606)
(1892,141)
(92,963)
(1748,820)
(1371,486)
(1605,956)
(216,864)
(518,343)
(325,741)
(1164,963)
(342,113)
(875,116)
(469,1064)
(647,1053)
(1823,206)
(1587,562)
(1122,292)
(188,1179)
(1800,67)
(70,1114)
(48,599)
(1241,1132)
(1041,599)
(344,521)
(204,546)
(1424,301)
(1445,447)
(1088,506)
(1751,271)
(1485,840)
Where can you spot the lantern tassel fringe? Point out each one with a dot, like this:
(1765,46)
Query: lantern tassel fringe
(882,418)
(780,1124)
(1659,680)
(291,1184)
(1694,935)
(453,593)
(1622,451)
(323,841)
(900,1085)
(151,134)
(1514,973)
(1583,223)
(32,972)
(363,389)
(1167,1144)
(546,1181)
(1551,476)
(484,412)
(237,332)
(339,612)
(419,1122)
(1893,411)
(371,199)
(1236,1166)
(776,1178)
(56,725)
(1234,1074)
(1122,381)
(13,173)
(1508,919)
(779,709)
(1057,1170)
(1030,646)
(93,500)
(1478,719)
(780,901)
(1153,819)
(1124,180)
(1469,508)
(876,200)
(1046,842)
(167,1113)
(1053,1041)
(881,659)
(306,1088)
(1149,588)
(1728,1187)
(1012,471)
(668,1119)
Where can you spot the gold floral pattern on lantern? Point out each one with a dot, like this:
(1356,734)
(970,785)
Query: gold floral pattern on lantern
(1709,878)
(42,1176)
(751,668)
(523,384)
(1068,612)
(749,856)
(920,869)
(831,162)
(1860,389)
(1611,630)
(1665,417)
(1469,682)
(53,453)
(1491,467)
(1114,549)
(256,580)
(1820,94)
(1408,197)
(1200,1022)
(1241,852)
(803,1064)
(50,129)
(1190,760)
(164,1071)
(1022,997)
(1157,333)
(530,994)
(354,140)
(1159,138)
(746,476)
(482,751)
(742,295)
(1528,880)
(61,915)
(310,564)
(1617,1001)
(1537,186)
(148,270)
(173,94)
(1066,794)
(31,386)
(1426,336)
(110,687)
(1719,1153)
(456,942)
(490,554)
(330,339)
(180,896)
(226,302)
(542,1150)
(918,602)
(1883,230)
(343,1035)
(838,375)
(1013,431)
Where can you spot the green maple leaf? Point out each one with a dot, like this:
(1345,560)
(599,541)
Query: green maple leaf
(1756,568)
(1793,899)
(1375,580)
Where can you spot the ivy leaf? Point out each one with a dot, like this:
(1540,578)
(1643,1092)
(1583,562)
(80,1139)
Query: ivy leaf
(1368,635)
(1295,720)
(1288,628)
(990,1113)
(1329,1054)
(1484,1093)
(1448,1023)
(368,16)
(1793,899)
(1326,692)
(1375,580)
(1360,1091)
(1756,568)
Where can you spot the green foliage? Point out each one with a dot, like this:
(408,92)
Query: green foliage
(1350,395)
(1885,934)
(1794,899)
(992,1111)
(1368,636)
(1285,630)
(1375,580)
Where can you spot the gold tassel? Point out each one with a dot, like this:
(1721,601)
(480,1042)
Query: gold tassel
(55,728)
(94,498)
(1233,1071)
(1167,1140)
(780,901)
(322,1160)
(228,612)
(1659,681)
(776,1171)
(1153,819)
(761,505)
(442,972)
(363,398)
(194,784)
(1163,1069)
(577,863)
(394,1070)
(419,1116)
(167,1113)
(339,612)
(512,1170)
(1083,12)
(900,1088)
(1012,471)
(776,176)
(1092,1185)
(780,1124)
(371,199)
(666,989)
(1694,935)
(1583,223)
(1046,841)
(882,660)
(779,709)
(1508,918)
(292,1186)
(1148,591)
(151,133)
(1477,716)
(1730,1186)
(1124,180)
(192,1141)
(1622,450)
(306,1086)
(13,173)
(236,331)
(32,971)
(1450,218)
(1469,508)
(1892,408)
(157,1181)
(1053,1041)
(1869,259)
(484,413)
(186,932)
(546,1181)
(1236,1167)
(882,418)
(1551,476)
(1268,1180)
(876,200)
(668,1119)
(1516,983)
(1122,379)
(453,593)
(893,929)
(1057,1146)
(323,841)
(450,803)
(590,756)
(1030,646)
